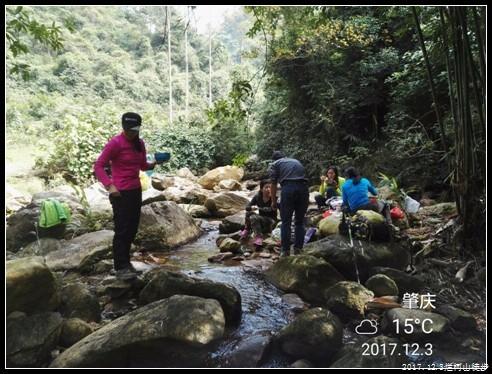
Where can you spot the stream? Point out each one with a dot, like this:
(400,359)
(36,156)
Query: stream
(263,309)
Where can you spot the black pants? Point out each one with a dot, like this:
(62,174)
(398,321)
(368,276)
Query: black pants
(126,216)
(294,198)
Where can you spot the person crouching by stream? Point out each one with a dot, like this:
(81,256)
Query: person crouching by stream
(262,222)
(126,153)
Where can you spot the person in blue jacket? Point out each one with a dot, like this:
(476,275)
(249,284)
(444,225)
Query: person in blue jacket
(355,192)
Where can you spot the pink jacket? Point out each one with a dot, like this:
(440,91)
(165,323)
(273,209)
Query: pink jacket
(126,163)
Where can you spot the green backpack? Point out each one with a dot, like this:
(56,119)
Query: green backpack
(53,213)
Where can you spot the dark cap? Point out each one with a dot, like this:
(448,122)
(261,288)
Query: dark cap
(131,121)
(277,155)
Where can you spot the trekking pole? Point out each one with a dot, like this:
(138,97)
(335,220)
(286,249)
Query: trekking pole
(349,226)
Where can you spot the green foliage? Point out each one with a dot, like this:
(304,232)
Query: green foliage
(84,135)
(240,160)
(19,27)
(228,123)
(189,147)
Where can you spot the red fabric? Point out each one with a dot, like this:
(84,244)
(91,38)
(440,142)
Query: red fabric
(326,213)
(397,213)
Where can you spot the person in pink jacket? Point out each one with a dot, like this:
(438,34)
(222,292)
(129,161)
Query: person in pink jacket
(125,153)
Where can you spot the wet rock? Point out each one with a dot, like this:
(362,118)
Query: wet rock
(382,285)
(355,357)
(165,284)
(73,330)
(165,225)
(30,339)
(179,324)
(229,245)
(221,257)
(314,335)
(234,236)
(250,351)
(79,302)
(431,325)
(347,300)
(304,275)
(406,283)
(30,286)
(337,251)
(459,319)
(295,302)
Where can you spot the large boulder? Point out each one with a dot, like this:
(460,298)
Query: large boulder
(337,251)
(226,203)
(82,253)
(357,357)
(406,283)
(98,200)
(414,324)
(165,284)
(77,301)
(180,190)
(179,322)
(31,286)
(164,225)
(304,275)
(14,199)
(213,177)
(314,335)
(232,223)
(22,226)
(348,300)
(30,339)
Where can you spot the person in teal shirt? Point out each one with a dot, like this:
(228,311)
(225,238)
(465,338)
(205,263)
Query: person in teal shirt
(355,192)
(331,185)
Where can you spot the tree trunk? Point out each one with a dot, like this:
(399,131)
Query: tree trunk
(168,12)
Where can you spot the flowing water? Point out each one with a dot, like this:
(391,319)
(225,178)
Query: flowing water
(263,310)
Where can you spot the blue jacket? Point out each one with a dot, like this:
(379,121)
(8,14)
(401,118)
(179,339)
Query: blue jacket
(355,195)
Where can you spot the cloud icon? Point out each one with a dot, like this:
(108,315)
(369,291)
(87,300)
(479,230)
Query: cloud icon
(367,327)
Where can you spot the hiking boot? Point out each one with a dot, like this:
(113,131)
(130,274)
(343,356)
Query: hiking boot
(297,251)
(258,241)
(284,254)
(125,274)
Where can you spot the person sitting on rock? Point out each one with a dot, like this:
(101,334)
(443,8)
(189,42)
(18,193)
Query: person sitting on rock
(331,185)
(263,221)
